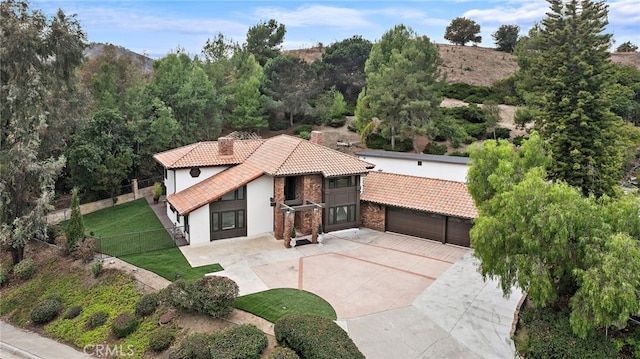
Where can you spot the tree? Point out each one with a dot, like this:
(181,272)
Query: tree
(403,83)
(75,228)
(38,56)
(290,81)
(549,240)
(572,73)
(462,30)
(506,37)
(264,39)
(491,112)
(627,47)
(344,66)
(331,108)
(244,94)
(219,48)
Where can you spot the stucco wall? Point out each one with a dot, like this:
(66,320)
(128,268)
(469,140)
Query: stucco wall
(259,210)
(184,179)
(440,170)
(170,181)
(199,226)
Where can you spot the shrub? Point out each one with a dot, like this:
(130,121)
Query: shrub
(305,135)
(147,304)
(24,269)
(243,341)
(4,276)
(46,310)
(302,128)
(96,319)
(73,312)
(75,226)
(124,324)
(501,133)
(337,121)
(96,268)
(472,113)
(84,249)
(525,115)
(518,140)
(475,130)
(327,341)
(282,353)
(161,339)
(212,295)
(459,154)
(194,346)
(434,148)
(378,142)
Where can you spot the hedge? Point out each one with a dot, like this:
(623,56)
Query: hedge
(46,310)
(212,295)
(243,341)
(315,337)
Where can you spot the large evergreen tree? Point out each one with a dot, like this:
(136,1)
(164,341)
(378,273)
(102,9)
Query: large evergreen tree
(38,57)
(573,72)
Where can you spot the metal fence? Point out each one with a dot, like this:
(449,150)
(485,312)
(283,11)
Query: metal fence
(138,242)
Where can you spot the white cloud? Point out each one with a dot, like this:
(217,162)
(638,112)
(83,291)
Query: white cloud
(314,15)
(516,12)
(625,12)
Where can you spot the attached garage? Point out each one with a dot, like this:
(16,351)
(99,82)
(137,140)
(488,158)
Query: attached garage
(434,209)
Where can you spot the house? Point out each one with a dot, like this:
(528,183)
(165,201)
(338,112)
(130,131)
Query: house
(417,164)
(235,188)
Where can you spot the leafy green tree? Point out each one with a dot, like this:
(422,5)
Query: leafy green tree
(506,37)
(102,154)
(75,228)
(219,48)
(573,73)
(625,93)
(344,66)
(264,40)
(549,240)
(462,30)
(290,81)
(627,47)
(404,83)
(491,112)
(331,108)
(182,84)
(38,57)
(245,97)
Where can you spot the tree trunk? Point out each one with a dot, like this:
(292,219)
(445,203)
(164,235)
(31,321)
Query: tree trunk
(17,254)
(393,138)
(291,119)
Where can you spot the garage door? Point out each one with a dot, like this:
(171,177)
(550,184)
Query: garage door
(415,223)
(458,231)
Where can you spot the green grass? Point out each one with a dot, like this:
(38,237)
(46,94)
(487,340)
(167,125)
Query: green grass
(134,216)
(169,262)
(272,304)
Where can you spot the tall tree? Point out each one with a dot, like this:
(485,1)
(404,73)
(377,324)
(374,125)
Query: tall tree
(290,81)
(404,83)
(549,240)
(627,47)
(462,30)
(573,73)
(38,57)
(264,40)
(506,37)
(245,97)
(344,66)
(75,228)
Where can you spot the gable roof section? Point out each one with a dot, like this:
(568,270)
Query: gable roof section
(205,154)
(424,194)
(277,156)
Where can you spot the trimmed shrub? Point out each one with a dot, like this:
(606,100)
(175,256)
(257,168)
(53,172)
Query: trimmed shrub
(282,353)
(4,276)
(46,310)
(312,336)
(212,295)
(124,324)
(96,319)
(434,148)
(147,304)
(243,341)
(73,312)
(25,269)
(302,128)
(161,339)
(96,268)
(194,346)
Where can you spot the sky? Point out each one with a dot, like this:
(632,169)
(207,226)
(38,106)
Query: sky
(156,28)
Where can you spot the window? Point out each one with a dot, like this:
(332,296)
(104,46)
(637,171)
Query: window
(341,182)
(227,220)
(342,214)
(289,188)
(186,224)
(195,172)
(419,163)
(232,196)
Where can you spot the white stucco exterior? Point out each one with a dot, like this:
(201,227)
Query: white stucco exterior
(419,165)
(184,180)
(259,210)
(199,226)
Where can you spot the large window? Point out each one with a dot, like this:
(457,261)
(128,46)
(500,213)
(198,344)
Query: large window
(228,215)
(227,220)
(342,214)
(234,196)
(341,182)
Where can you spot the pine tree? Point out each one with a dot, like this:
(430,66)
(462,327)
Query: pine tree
(75,227)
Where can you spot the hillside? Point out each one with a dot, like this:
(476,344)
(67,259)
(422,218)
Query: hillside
(95,49)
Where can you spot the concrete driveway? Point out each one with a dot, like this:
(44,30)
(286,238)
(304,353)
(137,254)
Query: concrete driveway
(397,296)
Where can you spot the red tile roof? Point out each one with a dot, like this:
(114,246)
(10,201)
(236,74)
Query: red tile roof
(277,156)
(205,154)
(423,194)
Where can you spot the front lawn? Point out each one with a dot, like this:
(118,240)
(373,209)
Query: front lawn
(272,304)
(169,262)
(135,216)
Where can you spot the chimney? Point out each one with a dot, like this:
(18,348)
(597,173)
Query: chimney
(225,146)
(316,137)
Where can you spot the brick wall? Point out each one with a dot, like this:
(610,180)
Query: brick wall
(278,197)
(372,216)
(311,191)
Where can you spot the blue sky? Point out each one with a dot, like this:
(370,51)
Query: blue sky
(159,27)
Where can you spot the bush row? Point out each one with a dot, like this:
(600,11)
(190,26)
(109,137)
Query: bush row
(315,337)
(501,92)
(242,341)
(376,141)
